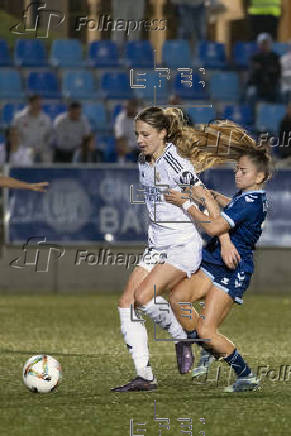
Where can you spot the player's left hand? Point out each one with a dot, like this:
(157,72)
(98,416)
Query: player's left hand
(230,255)
(175,197)
(39,187)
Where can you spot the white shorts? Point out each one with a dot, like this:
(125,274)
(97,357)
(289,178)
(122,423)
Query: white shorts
(186,257)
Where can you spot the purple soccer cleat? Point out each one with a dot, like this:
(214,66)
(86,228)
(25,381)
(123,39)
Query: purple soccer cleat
(185,358)
(138,384)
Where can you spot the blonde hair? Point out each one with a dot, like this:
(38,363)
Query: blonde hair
(213,144)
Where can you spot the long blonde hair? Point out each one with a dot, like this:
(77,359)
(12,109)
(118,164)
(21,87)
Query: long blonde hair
(214,144)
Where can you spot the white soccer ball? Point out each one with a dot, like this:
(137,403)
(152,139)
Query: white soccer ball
(42,373)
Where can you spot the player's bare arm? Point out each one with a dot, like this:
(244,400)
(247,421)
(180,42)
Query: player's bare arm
(221,199)
(229,252)
(215,226)
(10,182)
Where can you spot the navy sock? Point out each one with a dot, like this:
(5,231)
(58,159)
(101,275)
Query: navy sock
(236,361)
(192,334)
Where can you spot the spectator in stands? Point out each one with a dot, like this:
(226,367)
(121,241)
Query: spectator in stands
(71,131)
(286,75)
(264,72)
(88,153)
(128,17)
(284,149)
(15,153)
(191,19)
(34,129)
(264,16)
(124,131)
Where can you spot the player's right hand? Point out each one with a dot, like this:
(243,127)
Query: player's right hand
(230,256)
(39,187)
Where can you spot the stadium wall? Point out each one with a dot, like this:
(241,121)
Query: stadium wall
(272,271)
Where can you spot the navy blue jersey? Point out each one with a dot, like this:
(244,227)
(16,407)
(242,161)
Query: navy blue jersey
(245,214)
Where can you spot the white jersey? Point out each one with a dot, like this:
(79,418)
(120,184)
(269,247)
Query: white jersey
(169,225)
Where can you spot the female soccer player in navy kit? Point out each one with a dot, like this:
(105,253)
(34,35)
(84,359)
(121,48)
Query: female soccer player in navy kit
(170,150)
(242,216)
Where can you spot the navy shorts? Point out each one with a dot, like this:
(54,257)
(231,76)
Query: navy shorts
(233,282)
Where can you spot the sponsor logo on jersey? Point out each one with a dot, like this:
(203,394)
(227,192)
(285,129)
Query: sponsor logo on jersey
(249,199)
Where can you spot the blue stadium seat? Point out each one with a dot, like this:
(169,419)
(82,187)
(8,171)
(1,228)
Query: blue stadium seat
(8,112)
(78,85)
(30,53)
(139,54)
(103,53)
(269,117)
(152,79)
(201,115)
(116,86)
(96,115)
(242,52)
(212,54)
(241,114)
(5,59)
(195,92)
(54,109)
(224,86)
(176,53)
(106,144)
(10,85)
(280,48)
(44,84)
(66,53)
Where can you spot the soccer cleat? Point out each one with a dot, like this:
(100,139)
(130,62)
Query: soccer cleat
(244,384)
(185,358)
(206,360)
(138,384)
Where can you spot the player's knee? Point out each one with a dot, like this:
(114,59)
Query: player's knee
(139,298)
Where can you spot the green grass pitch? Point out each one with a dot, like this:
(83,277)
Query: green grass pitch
(82,332)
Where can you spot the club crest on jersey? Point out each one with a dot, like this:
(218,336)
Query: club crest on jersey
(225,281)
(157,176)
(187,178)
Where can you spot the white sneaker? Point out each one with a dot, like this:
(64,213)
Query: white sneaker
(244,384)
(202,369)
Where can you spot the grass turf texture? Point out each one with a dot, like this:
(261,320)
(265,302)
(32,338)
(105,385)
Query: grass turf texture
(82,332)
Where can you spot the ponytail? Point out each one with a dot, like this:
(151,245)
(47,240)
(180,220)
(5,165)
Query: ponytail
(213,144)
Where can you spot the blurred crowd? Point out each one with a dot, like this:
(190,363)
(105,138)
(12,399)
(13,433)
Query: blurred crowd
(33,137)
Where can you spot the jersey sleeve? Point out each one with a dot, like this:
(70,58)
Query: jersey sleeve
(241,210)
(187,175)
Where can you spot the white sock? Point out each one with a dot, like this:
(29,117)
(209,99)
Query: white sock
(165,318)
(136,339)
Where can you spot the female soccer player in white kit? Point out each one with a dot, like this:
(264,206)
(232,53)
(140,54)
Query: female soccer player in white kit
(168,150)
